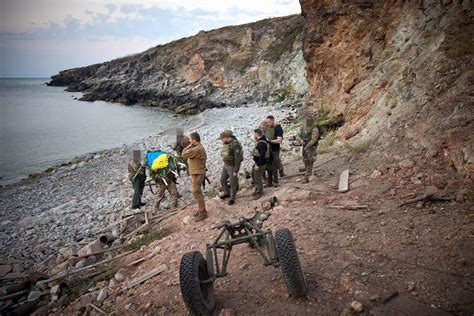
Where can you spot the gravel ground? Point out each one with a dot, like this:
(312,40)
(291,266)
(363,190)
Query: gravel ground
(41,216)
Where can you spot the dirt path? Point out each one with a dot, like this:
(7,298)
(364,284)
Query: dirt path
(420,253)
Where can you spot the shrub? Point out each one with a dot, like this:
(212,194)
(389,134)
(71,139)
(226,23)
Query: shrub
(285,92)
(146,239)
(359,147)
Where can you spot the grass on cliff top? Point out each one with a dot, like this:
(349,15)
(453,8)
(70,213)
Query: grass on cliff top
(284,45)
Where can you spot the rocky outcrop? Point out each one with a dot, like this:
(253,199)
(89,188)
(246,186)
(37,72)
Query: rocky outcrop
(232,66)
(400,72)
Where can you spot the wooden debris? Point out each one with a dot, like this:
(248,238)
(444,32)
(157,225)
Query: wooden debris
(149,256)
(115,224)
(429,195)
(344,181)
(157,220)
(4,269)
(67,273)
(98,253)
(139,229)
(13,295)
(96,308)
(145,277)
(13,276)
(350,207)
(390,297)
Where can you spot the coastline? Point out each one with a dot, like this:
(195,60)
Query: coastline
(43,215)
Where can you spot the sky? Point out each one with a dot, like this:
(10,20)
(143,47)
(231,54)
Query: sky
(38,38)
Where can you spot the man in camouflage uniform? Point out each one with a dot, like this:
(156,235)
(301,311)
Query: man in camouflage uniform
(164,184)
(232,156)
(309,135)
(137,175)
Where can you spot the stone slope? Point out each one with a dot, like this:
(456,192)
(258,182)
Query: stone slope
(400,72)
(231,66)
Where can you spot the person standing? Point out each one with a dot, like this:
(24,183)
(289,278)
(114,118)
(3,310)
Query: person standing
(232,157)
(167,183)
(181,143)
(137,175)
(309,135)
(260,153)
(274,135)
(196,156)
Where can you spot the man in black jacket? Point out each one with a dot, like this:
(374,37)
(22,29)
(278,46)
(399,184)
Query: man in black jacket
(260,153)
(274,135)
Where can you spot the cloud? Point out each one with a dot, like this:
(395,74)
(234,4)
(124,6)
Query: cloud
(75,33)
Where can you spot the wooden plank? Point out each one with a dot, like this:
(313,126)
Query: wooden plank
(350,207)
(68,273)
(344,181)
(145,277)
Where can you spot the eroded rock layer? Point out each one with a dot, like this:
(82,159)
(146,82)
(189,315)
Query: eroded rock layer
(401,73)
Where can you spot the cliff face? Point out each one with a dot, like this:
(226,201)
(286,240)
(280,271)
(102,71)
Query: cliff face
(400,72)
(231,66)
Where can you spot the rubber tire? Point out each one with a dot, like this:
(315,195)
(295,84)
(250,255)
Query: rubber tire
(198,298)
(290,263)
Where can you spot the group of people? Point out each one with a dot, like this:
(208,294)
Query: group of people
(265,153)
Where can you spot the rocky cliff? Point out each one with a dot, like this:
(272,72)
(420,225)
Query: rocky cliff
(401,73)
(231,66)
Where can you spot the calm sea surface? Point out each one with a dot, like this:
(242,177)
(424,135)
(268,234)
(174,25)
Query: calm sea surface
(42,126)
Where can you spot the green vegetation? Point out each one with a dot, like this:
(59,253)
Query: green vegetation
(324,114)
(285,44)
(211,194)
(77,289)
(292,127)
(285,92)
(146,239)
(323,150)
(326,143)
(238,61)
(359,147)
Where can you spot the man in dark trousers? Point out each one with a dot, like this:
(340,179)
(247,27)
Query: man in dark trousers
(260,153)
(274,135)
(137,175)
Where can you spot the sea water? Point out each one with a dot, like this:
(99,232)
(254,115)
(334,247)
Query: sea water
(43,126)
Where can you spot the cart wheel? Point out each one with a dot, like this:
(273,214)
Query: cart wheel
(198,296)
(290,263)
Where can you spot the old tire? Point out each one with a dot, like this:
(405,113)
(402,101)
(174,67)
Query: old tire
(198,297)
(290,263)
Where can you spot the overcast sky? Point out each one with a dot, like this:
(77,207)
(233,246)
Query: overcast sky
(38,38)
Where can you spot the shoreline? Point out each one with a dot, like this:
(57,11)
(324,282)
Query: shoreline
(85,157)
(42,215)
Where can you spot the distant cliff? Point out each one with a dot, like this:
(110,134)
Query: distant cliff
(232,66)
